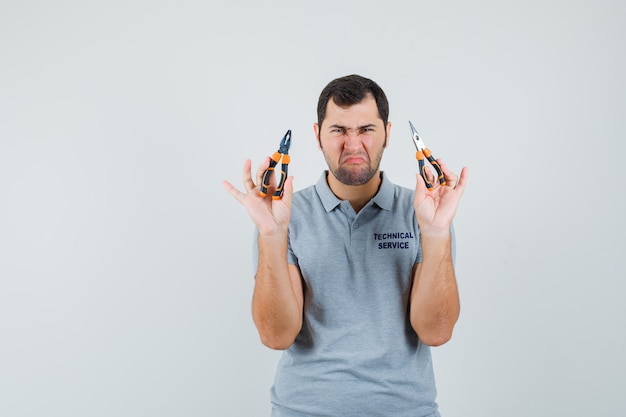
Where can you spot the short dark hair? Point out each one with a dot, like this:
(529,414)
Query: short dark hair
(349,90)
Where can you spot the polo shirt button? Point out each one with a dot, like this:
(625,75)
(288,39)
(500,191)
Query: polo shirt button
(356,225)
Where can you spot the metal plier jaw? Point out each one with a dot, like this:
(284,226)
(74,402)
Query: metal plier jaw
(281,155)
(421,155)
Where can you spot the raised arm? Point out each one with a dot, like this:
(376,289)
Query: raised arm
(435,305)
(278,299)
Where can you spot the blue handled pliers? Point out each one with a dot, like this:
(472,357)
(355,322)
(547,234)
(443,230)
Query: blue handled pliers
(281,153)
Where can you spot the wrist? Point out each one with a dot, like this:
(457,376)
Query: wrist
(273,236)
(435,244)
(434,233)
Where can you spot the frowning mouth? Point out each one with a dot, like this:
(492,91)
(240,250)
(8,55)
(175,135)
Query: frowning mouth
(354,159)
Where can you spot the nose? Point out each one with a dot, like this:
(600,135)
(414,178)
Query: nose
(352,139)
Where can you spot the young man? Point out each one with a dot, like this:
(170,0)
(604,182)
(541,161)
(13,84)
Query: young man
(355,276)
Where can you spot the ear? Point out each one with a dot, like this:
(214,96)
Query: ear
(316,130)
(387,133)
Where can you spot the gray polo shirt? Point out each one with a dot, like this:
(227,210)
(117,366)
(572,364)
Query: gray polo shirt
(357,354)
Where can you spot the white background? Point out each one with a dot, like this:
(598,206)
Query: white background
(125,268)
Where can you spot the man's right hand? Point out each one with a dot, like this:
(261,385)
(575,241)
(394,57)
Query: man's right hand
(270,216)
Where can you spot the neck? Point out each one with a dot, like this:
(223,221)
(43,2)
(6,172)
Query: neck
(357,195)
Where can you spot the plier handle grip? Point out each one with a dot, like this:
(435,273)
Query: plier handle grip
(281,154)
(423,153)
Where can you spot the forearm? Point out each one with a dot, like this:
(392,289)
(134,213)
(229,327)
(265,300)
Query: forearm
(434,307)
(276,305)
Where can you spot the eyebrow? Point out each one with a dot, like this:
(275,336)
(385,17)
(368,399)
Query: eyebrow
(359,127)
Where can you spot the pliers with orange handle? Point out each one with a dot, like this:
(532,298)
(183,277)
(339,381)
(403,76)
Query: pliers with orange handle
(281,153)
(424,153)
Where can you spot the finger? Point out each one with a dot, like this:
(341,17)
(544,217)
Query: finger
(462,179)
(246,175)
(288,191)
(238,195)
(450,177)
(420,190)
(261,171)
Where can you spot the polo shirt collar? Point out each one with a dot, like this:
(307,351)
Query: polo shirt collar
(383,198)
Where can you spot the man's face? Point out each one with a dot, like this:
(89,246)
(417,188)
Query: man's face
(352,140)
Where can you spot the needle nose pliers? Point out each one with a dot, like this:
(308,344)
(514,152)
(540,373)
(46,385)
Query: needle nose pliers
(424,153)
